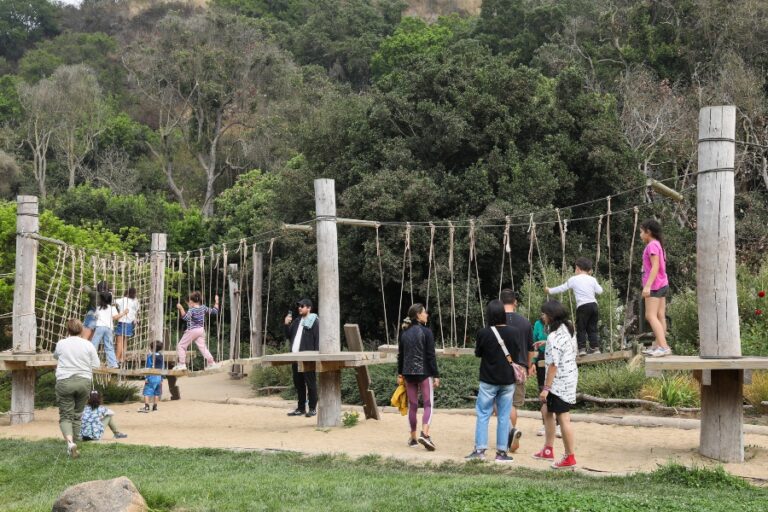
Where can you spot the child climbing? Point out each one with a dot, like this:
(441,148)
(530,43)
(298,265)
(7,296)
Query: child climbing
(195,318)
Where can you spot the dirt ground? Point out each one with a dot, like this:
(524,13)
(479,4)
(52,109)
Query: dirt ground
(216,411)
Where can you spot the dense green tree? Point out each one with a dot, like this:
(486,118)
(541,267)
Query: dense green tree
(22,22)
(10,107)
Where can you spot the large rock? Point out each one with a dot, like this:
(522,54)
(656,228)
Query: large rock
(116,495)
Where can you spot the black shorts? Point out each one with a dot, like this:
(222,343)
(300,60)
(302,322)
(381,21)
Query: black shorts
(660,293)
(557,405)
(541,373)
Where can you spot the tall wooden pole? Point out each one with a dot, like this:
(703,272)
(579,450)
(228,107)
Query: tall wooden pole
(256,313)
(24,320)
(722,419)
(329,389)
(157,287)
(234,312)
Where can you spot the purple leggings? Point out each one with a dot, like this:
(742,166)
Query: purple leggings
(427,396)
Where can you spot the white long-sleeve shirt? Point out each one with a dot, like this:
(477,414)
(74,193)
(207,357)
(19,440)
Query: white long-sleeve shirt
(584,287)
(77,357)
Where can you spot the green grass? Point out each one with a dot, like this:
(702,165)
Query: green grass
(32,474)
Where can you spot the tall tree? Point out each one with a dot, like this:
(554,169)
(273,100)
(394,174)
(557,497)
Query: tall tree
(22,22)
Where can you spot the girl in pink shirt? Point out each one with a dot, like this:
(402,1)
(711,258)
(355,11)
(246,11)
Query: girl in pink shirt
(655,285)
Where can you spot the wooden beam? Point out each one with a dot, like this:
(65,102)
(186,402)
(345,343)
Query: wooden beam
(664,190)
(157,288)
(362,375)
(257,321)
(296,227)
(701,363)
(234,314)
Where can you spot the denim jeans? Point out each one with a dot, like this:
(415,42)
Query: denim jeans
(109,345)
(486,396)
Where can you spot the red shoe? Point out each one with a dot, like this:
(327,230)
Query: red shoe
(568,461)
(545,453)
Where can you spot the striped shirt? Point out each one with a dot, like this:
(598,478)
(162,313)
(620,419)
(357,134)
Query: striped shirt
(195,317)
(561,351)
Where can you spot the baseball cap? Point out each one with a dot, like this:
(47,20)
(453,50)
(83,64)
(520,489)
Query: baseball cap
(304,302)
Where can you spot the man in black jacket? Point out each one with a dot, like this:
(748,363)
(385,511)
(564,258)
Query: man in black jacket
(303,334)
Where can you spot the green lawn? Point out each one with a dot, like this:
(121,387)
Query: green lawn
(32,474)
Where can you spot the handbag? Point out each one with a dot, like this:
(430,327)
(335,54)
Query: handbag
(521,374)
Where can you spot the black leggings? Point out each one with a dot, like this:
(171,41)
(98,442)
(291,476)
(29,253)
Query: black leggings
(586,325)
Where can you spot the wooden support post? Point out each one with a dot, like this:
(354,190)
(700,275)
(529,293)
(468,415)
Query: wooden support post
(233,277)
(24,320)
(355,344)
(329,383)
(257,321)
(721,402)
(157,288)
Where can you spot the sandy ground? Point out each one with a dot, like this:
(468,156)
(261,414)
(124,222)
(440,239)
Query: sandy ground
(216,411)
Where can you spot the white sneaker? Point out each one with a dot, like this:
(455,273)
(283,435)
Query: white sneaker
(650,350)
(72,450)
(213,366)
(558,433)
(180,367)
(541,432)
(661,352)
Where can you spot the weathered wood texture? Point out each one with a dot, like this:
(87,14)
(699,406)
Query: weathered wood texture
(157,288)
(698,363)
(329,384)
(24,320)
(715,235)
(363,376)
(234,311)
(722,417)
(257,315)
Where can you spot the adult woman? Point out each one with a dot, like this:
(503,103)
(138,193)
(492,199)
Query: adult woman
(74,375)
(655,286)
(497,380)
(417,369)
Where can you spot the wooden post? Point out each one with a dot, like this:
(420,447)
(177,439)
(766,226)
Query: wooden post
(157,288)
(24,320)
(256,305)
(329,383)
(722,419)
(234,318)
(363,376)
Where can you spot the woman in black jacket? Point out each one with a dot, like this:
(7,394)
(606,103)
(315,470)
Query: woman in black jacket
(417,369)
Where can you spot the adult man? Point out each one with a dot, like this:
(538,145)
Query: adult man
(526,354)
(303,332)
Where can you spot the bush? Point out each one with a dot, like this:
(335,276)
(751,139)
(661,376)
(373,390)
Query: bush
(350,419)
(684,322)
(114,391)
(271,376)
(675,390)
(611,380)
(757,392)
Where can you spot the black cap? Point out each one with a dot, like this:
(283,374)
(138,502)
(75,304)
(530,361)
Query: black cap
(304,302)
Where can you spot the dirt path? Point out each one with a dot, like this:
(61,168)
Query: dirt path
(203,418)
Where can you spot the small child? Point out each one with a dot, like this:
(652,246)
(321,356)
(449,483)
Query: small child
(153,384)
(584,287)
(195,319)
(96,418)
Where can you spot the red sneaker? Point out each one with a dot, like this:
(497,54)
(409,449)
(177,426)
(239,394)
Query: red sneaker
(568,461)
(545,453)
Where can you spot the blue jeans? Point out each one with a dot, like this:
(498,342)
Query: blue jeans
(486,396)
(109,345)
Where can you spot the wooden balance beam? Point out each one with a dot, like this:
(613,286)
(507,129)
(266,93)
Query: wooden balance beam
(439,352)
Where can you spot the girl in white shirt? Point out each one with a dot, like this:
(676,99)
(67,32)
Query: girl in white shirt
(106,314)
(125,326)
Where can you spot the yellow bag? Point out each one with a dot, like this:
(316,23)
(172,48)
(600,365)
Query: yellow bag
(400,399)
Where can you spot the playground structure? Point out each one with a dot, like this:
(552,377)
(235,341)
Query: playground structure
(720,367)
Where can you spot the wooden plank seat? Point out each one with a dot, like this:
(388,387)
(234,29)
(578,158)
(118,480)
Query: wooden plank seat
(439,352)
(312,360)
(654,365)
(603,357)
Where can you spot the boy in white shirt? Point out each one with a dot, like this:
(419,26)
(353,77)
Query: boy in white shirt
(584,287)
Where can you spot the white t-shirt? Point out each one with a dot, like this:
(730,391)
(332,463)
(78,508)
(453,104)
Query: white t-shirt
(297,338)
(77,357)
(104,316)
(561,351)
(584,287)
(132,305)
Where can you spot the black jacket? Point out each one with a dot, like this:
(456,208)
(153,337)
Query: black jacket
(310,338)
(416,352)
(494,367)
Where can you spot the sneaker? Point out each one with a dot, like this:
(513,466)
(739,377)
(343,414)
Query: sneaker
(594,351)
(476,455)
(144,409)
(582,351)
(181,367)
(72,450)
(426,441)
(568,461)
(213,366)
(120,435)
(297,412)
(503,457)
(661,352)
(154,407)
(310,413)
(412,443)
(514,440)
(545,453)
(541,432)
(558,433)
(648,351)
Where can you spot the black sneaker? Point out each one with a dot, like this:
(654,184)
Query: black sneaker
(144,409)
(412,443)
(426,441)
(502,457)
(154,407)
(311,413)
(120,435)
(297,412)
(514,440)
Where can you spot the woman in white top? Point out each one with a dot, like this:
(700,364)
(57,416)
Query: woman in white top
(126,325)
(106,314)
(74,376)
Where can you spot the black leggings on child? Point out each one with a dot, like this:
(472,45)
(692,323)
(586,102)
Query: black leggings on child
(586,326)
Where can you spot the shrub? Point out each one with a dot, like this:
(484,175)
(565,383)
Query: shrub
(271,376)
(676,390)
(757,392)
(114,391)
(684,322)
(611,380)
(350,419)
(704,478)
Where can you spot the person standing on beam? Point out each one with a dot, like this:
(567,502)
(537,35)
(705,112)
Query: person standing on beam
(303,331)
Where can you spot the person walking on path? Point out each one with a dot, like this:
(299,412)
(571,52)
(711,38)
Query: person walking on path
(526,354)
(417,369)
(195,318)
(76,359)
(497,380)
(303,331)
(655,286)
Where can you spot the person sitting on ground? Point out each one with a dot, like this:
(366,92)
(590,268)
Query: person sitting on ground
(195,319)
(96,418)
(584,287)
(153,384)
(303,331)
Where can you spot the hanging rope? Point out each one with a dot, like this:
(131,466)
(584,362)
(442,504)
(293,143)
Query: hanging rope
(406,251)
(477,277)
(437,281)
(631,254)
(381,285)
(506,251)
(599,234)
(563,225)
(469,275)
(610,267)
(224,286)
(454,333)
(531,231)
(269,288)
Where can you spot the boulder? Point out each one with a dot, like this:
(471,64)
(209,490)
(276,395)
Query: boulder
(116,495)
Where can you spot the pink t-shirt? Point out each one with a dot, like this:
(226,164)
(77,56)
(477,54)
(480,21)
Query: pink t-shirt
(654,247)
